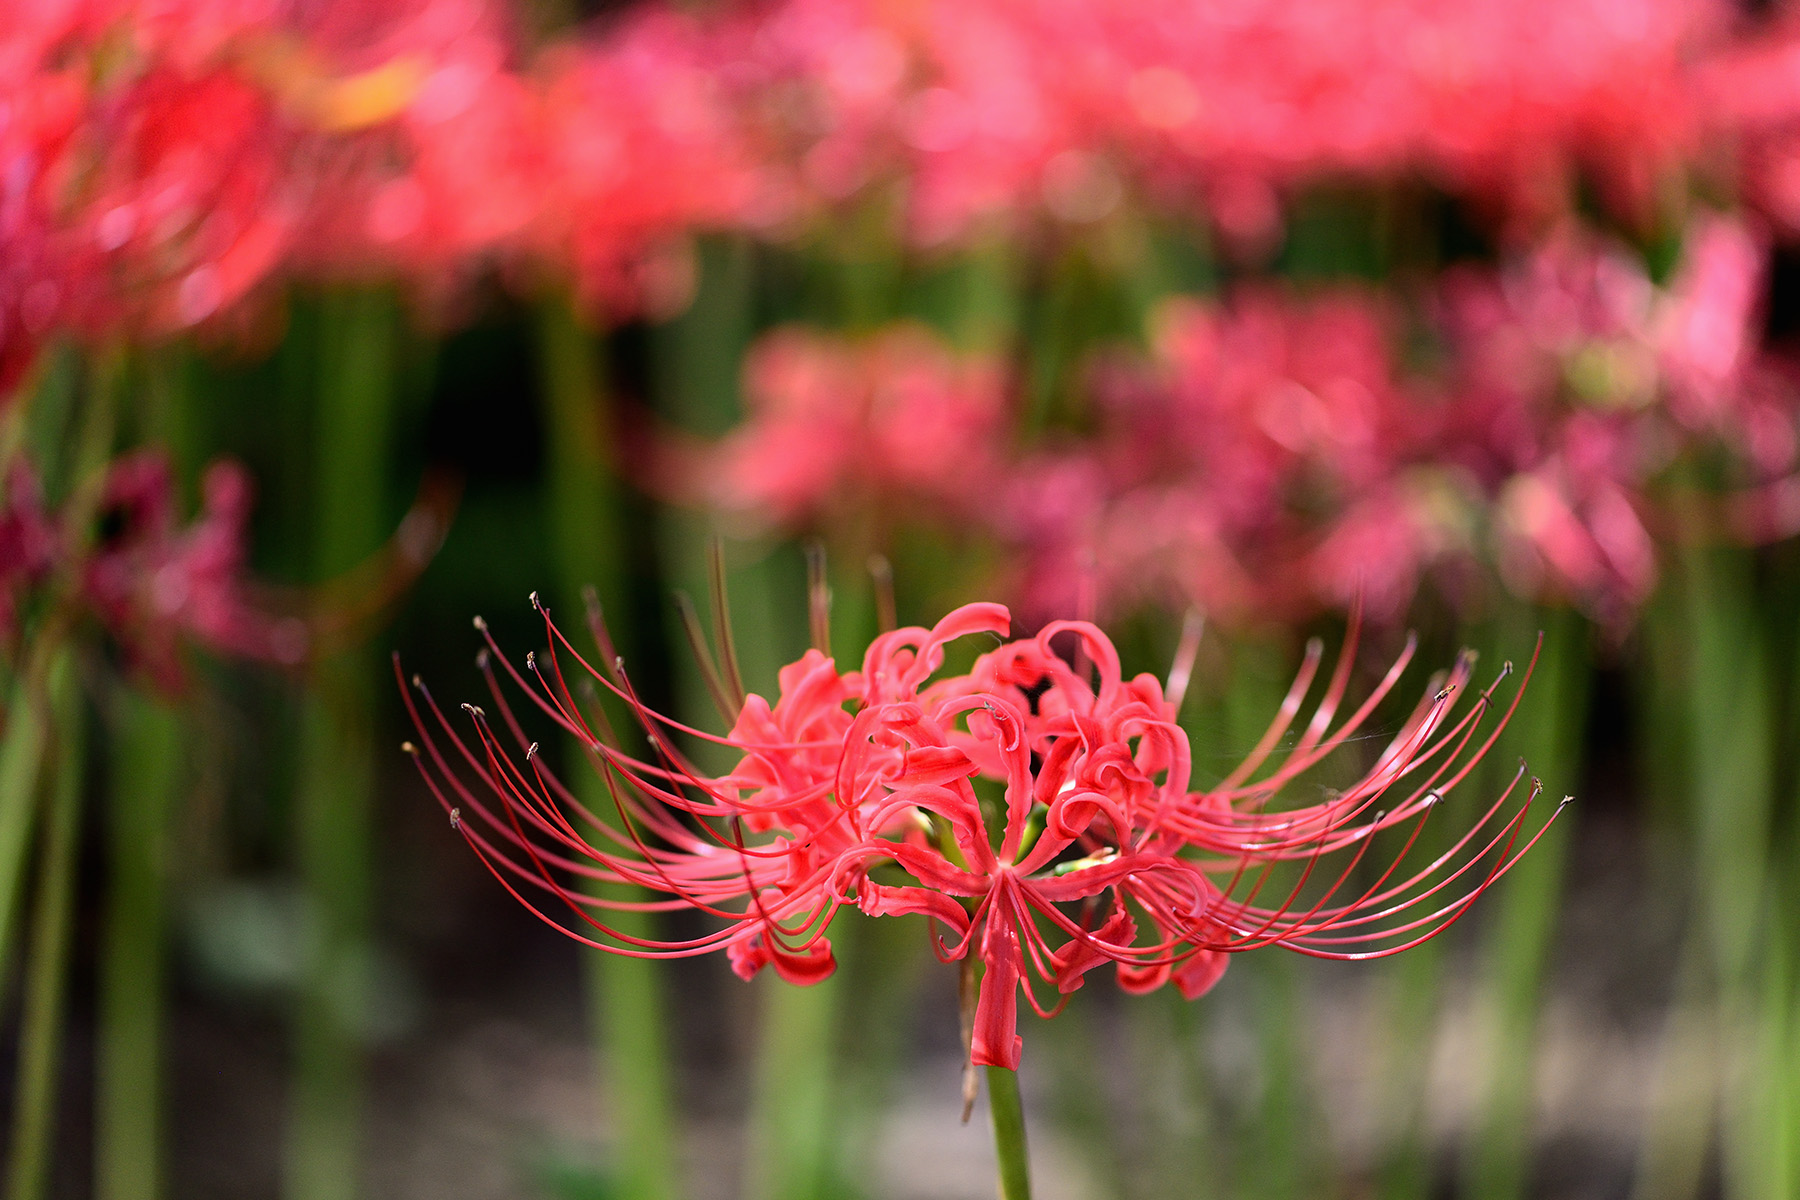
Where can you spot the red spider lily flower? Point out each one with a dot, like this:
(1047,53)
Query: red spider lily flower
(839,430)
(28,545)
(1039,812)
(1216,463)
(151,581)
(157,584)
(642,147)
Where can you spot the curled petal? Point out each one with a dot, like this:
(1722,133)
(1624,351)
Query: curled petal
(996,1042)
(880,900)
(803,967)
(1196,976)
(1082,954)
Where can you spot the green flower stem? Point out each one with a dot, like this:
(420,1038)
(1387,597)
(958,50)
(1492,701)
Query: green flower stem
(1774,1048)
(1678,1113)
(1730,715)
(146,775)
(800,1105)
(796,1116)
(1678,1116)
(1548,732)
(1282,1159)
(1415,990)
(792,1108)
(1781,1013)
(75,444)
(22,750)
(1285,1159)
(46,968)
(625,994)
(335,789)
(1009,1133)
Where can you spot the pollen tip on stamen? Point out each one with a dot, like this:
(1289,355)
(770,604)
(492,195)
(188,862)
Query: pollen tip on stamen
(456,818)
(531,660)
(531,751)
(480,623)
(474,711)
(481,660)
(409,748)
(1431,798)
(1566,801)
(536,603)
(418,681)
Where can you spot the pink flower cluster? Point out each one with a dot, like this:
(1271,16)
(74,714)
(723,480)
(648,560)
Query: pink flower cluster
(1581,387)
(1041,814)
(163,164)
(1276,453)
(1001,109)
(843,431)
(151,583)
(163,161)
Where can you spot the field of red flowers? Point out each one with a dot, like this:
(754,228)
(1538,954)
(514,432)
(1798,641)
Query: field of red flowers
(1124,491)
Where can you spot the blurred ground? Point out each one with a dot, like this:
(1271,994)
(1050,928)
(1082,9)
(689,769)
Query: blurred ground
(490,1090)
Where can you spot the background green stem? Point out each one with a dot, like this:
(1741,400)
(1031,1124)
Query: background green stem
(791,1143)
(22,752)
(46,969)
(1730,716)
(1707,1080)
(793,1147)
(1548,732)
(625,994)
(1008,1115)
(335,791)
(1282,1157)
(1414,987)
(72,438)
(147,762)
